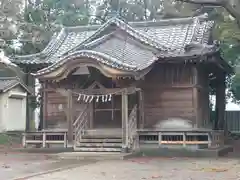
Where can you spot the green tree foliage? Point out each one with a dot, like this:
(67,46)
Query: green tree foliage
(11,16)
(227,31)
(42,18)
(34,26)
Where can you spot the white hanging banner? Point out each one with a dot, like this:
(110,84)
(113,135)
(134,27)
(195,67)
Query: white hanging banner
(79,97)
(97,99)
(89,98)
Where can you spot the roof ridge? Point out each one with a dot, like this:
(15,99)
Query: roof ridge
(9,78)
(53,40)
(128,39)
(128,29)
(201,17)
(46,49)
(171,21)
(83,27)
(98,40)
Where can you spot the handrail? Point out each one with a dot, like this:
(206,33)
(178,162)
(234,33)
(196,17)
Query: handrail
(80,115)
(45,138)
(80,124)
(132,129)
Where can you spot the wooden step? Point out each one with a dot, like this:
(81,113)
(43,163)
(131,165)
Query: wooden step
(101,136)
(92,149)
(99,140)
(112,132)
(105,145)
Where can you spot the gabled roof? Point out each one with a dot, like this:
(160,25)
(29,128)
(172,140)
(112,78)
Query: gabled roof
(169,36)
(118,50)
(7,83)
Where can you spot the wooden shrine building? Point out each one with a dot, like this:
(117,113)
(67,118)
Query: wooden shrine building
(125,78)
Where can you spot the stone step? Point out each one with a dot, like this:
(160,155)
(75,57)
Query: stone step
(101,140)
(92,149)
(105,145)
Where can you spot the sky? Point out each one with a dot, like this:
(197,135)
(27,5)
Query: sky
(232,107)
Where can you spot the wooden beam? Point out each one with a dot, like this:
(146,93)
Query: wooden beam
(70,117)
(125,121)
(116,91)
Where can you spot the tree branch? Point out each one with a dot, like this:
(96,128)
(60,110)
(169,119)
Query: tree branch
(232,8)
(205,2)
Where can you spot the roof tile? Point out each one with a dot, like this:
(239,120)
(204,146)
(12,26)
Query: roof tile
(174,34)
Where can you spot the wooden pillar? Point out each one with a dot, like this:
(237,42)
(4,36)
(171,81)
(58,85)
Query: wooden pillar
(70,117)
(44,102)
(40,126)
(220,102)
(27,100)
(124,121)
(196,97)
(141,109)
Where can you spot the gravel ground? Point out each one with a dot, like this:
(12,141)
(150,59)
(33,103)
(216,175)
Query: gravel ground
(16,165)
(157,168)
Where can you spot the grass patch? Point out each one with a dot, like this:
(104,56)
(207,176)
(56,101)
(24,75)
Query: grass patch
(10,138)
(5,139)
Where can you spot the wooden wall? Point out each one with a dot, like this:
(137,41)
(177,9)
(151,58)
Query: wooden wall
(169,90)
(55,109)
(168,93)
(105,114)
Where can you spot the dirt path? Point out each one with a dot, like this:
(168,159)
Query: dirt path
(15,165)
(157,168)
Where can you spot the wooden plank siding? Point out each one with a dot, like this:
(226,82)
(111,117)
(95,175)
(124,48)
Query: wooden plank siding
(168,93)
(56,110)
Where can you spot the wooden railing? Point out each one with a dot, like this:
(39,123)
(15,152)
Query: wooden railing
(81,124)
(203,138)
(132,129)
(45,138)
(217,139)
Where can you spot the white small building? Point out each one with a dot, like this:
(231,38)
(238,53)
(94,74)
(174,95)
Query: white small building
(13,98)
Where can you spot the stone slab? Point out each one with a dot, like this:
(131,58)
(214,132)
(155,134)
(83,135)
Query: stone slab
(91,155)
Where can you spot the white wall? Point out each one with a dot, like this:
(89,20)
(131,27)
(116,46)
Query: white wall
(12,117)
(1,113)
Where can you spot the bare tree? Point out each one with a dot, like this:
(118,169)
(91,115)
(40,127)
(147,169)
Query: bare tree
(232,6)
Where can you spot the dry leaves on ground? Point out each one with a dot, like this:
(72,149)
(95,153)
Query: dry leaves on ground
(211,169)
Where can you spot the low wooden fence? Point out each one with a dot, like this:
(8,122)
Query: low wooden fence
(184,138)
(45,138)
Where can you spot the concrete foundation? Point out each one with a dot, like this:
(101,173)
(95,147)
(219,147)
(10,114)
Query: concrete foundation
(172,152)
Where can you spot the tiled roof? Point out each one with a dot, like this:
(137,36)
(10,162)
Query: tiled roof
(116,50)
(7,83)
(170,37)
